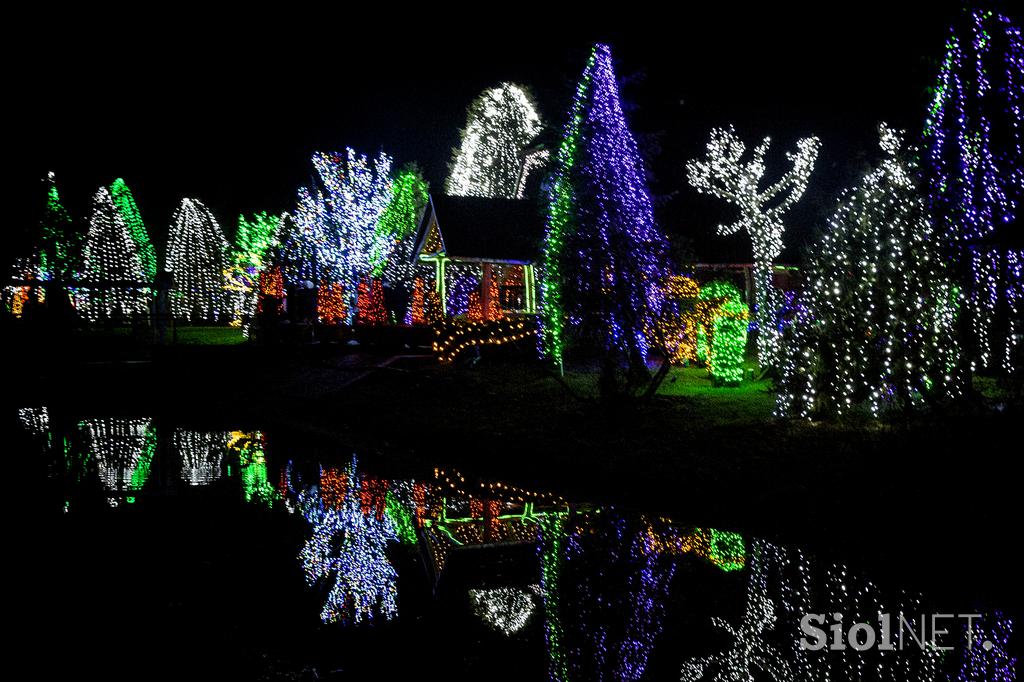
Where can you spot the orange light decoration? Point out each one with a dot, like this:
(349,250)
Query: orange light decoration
(330,303)
(370,303)
(271,284)
(681,317)
(432,309)
(373,496)
(451,481)
(416,312)
(419,498)
(460,335)
(333,487)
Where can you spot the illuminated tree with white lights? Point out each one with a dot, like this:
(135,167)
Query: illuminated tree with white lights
(724,174)
(197,257)
(490,160)
(336,219)
(878,329)
(113,270)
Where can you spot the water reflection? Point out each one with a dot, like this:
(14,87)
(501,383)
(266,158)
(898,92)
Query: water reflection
(202,455)
(122,450)
(599,593)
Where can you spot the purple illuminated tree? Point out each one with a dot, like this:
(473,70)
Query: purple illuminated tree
(975,138)
(603,255)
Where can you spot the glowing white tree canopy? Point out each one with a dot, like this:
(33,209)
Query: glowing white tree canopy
(724,174)
(112,263)
(877,321)
(197,256)
(337,220)
(490,161)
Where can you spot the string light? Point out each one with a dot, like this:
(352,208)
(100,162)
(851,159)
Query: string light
(197,257)
(724,174)
(417,315)
(456,336)
(489,162)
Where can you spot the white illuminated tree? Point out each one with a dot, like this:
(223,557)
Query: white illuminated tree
(879,314)
(197,256)
(113,268)
(338,217)
(489,161)
(724,174)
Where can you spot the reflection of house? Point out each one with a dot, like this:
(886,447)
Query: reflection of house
(486,246)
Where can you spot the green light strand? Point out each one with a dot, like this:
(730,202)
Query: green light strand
(551,540)
(561,223)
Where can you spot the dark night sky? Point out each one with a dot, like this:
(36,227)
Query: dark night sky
(230,113)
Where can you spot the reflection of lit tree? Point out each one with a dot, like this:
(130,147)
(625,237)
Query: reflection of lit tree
(123,450)
(749,650)
(506,609)
(988,659)
(352,546)
(202,455)
(614,586)
(252,466)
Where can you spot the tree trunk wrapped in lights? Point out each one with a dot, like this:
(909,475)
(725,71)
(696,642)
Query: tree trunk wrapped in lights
(880,309)
(725,175)
(603,255)
(197,257)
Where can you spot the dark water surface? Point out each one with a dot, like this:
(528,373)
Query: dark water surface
(158,549)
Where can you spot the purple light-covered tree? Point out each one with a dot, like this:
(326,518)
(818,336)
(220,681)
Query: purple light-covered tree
(603,254)
(975,168)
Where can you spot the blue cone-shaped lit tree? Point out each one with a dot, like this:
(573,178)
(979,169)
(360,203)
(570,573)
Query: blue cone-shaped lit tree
(603,255)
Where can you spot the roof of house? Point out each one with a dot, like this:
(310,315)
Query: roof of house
(486,229)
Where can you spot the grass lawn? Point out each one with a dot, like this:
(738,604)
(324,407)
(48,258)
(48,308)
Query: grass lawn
(209,336)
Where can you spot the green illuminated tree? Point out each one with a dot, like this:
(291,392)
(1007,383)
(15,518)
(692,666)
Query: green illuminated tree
(125,203)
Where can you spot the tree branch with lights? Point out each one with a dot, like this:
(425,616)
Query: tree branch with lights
(724,174)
